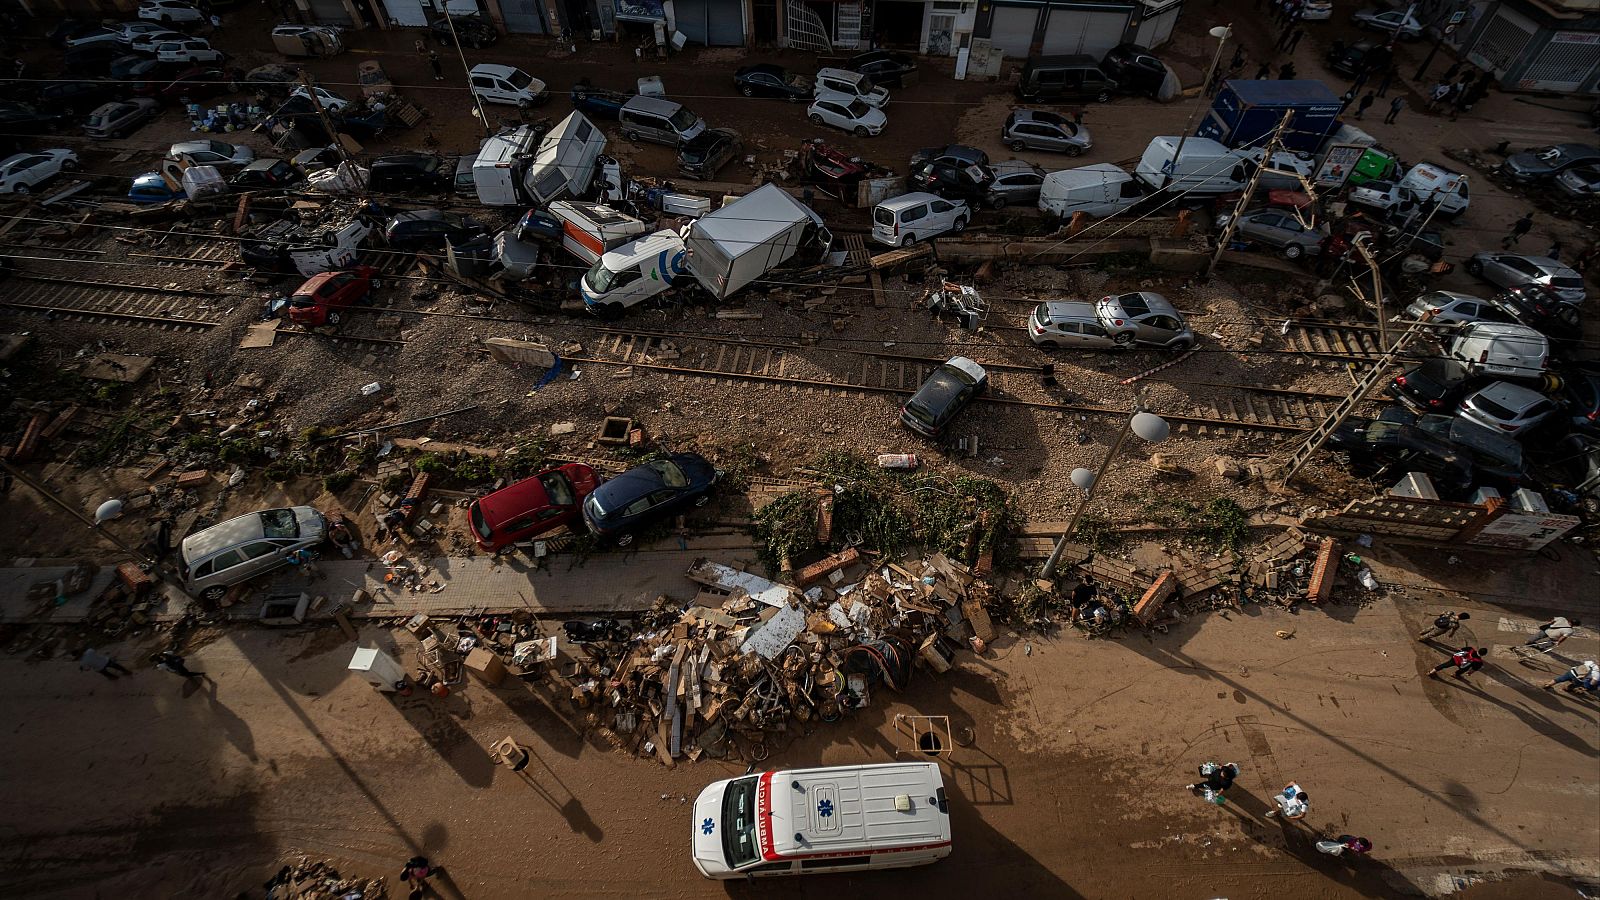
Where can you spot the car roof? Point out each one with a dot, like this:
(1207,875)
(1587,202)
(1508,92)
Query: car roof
(398,159)
(492,69)
(1013,166)
(841,74)
(223,535)
(420,215)
(514,500)
(1070,310)
(769,68)
(661,106)
(1512,396)
(1040,115)
(905,201)
(836,97)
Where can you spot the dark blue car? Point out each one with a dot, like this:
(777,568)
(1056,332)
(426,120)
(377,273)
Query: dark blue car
(622,506)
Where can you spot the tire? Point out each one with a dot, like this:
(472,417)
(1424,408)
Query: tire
(999,202)
(907,239)
(1293,251)
(815,119)
(631,136)
(334,317)
(625,539)
(19,188)
(165,20)
(374,284)
(959,225)
(1047,345)
(1180,346)
(1102,97)
(213,594)
(861,131)
(611,311)
(748,91)
(1018,146)
(1073,150)
(70,165)
(1475,268)
(1124,339)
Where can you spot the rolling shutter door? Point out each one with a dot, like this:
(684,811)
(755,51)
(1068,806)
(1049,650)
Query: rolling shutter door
(725,25)
(1083,31)
(405,14)
(1565,62)
(690,19)
(330,12)
(1156,28)
(522,16)
(1011,29)
(1504,38)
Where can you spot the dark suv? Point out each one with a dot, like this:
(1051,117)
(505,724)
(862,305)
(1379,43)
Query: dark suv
(1135,69)
(707,152)
(1054,78)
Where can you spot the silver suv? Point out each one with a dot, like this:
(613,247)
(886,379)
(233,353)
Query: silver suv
(216,558)
(1032,129)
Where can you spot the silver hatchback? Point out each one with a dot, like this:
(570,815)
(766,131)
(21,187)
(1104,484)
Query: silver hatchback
(1032,129)
(1075,326)
(1509,270)
(1156,321)
(216,558)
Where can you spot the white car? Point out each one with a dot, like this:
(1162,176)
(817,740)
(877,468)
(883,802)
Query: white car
(212,153)
(100,35)
(330,101)
(128,32)
(1451,308)
(1317,10)
(507,84)
(23,172)
(189,50)
(1389,22)
(169,11)
(146,42)
(846,113)
(1507,408)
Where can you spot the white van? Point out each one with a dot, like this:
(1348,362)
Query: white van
(1427,181)
(659,120)
(588,230)
(1505,350)
(852,84)
(1097,190)
(1207,166)
(811,821)
(633,273)
(507,84)
(908,218)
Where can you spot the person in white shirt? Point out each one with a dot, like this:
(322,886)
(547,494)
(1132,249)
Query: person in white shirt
(1293,803)
(1584,676)
(1553,632)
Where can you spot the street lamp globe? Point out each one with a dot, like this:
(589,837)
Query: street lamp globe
(1151,427)
(1083,478)
(1222,32)
(107,511)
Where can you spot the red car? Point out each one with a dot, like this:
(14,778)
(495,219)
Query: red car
(531,507)
(320,299)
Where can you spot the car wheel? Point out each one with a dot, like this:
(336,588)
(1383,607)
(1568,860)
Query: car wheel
(631,136)
(1181,344)
(611,310)
(1047,345)
(907,239)
(213,594)
(1124,339)
(335,317)
(1293,251)
(374,284)
(1073,150)
(960,225)
(861,131)
(998,202)
(748,91)
(1018,146)
(624,540)
(524,105)
(165,20)
(815,119)
(1102,97)
(19,188)
(1475,268)
(70,165)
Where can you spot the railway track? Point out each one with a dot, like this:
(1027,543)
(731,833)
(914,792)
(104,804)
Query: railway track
(1329,340)
(77,299)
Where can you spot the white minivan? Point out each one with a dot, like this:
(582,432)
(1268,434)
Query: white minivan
(1501,349)
(852,84)
(507,84)
(633,273)
(812,821)
(908,218)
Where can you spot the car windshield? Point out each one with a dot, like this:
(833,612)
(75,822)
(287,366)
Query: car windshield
(599,278)
(520,79)
(671,475)
(558,487)
(1494,409)
(1567,282)
(739,822)
(682,119)
(279,523)
(479,526)
(857,109)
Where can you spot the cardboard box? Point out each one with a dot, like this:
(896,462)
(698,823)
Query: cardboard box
(486,666)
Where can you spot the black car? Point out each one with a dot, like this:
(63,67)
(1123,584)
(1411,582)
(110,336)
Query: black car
(410,172)
(1580,402)
(708,152)
(1375,446)
(1539,307)
(767,80)
(1496,459)
(74,97)
(1356,58)
(623,505)
(472,31)
(956,154)
(886,68)
(947,391)
(954,181)
(430,229)
(1432,385)
(91,59)
(273,79)
(1135,69)
(137,67)
(266,174)
(23,118)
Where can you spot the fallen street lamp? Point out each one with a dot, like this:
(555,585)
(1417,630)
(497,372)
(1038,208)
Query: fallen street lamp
(1148,426)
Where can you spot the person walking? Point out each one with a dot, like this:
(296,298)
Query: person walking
(1444,625)
(1286,71)
(436,65)
(1293,803)
(1552,633)
(422,49)
(168,661)
(1388,78)
(1581,264)
(1367,100)
(1395,106)
(1265,71)
(1294,39)
(1437,95)
(1584,676)
(1518,228)
(1466,660)
(1555,250)
(93,660)
(1215,781)
(416,873)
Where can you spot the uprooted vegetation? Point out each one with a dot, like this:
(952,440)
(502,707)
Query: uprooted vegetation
(890,512)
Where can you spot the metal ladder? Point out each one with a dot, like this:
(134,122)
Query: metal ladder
(1378,371)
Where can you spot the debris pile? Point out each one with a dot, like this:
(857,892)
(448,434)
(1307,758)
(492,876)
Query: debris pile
(307,880)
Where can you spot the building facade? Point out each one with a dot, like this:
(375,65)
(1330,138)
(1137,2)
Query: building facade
(1528,45)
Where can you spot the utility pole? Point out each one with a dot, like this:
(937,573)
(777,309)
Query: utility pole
(333,133)
(1221,33)
(1438,40)
(1361,242)
(483,118)
(1249,192)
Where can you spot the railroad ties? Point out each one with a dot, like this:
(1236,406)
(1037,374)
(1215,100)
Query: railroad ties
(1358,343)
(120,303)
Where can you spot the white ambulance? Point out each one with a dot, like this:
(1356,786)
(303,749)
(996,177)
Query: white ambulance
(805,821)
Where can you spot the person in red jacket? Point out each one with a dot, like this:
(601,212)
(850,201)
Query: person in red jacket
(1466,660)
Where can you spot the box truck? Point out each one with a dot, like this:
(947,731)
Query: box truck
(522,167)
(1207,167)
(1246,112)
